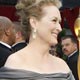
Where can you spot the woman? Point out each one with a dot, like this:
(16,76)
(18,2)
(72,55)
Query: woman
(42,20)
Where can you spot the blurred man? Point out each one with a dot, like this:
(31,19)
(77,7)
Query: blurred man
(7,38)
(20,40)
(70,49)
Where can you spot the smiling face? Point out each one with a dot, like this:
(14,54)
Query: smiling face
(48,26)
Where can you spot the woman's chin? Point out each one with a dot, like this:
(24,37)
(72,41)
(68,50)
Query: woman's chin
(54,42)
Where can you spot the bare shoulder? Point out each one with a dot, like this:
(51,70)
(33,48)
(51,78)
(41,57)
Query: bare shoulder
(13,60)
(61,64)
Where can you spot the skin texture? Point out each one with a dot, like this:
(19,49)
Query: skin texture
(36,53)
(49,25)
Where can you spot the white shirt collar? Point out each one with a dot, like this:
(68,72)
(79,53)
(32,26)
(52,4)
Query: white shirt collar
(73,53)
(5,44)
(23,41)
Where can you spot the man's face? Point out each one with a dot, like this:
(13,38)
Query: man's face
(68,47)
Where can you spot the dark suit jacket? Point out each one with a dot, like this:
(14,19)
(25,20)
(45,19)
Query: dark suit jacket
(72,63)
(4,53)
(19,46)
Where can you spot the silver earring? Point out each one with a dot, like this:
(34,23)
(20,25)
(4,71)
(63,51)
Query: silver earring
(34,33)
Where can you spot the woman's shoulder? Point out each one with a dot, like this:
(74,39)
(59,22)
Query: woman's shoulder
(13,59)
(59,60)
(61,64)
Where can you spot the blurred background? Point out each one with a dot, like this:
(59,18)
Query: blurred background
(69,12)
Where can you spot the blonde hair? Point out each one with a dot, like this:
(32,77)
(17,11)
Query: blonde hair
(28,8)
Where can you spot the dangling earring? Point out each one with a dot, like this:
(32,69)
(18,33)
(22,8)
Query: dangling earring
(34,33)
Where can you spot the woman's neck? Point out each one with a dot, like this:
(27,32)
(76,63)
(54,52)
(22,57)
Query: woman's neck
(37,49)
(40,46)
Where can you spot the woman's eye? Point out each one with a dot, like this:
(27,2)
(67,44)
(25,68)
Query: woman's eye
(54,20)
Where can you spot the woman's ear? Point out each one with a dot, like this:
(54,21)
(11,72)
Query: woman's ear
(33,22)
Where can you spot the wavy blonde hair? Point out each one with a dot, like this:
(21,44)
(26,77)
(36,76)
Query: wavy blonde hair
(28,8)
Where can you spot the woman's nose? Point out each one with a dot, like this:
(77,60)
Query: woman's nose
(59,29)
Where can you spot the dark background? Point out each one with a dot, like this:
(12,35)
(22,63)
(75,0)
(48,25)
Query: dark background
(69,12)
